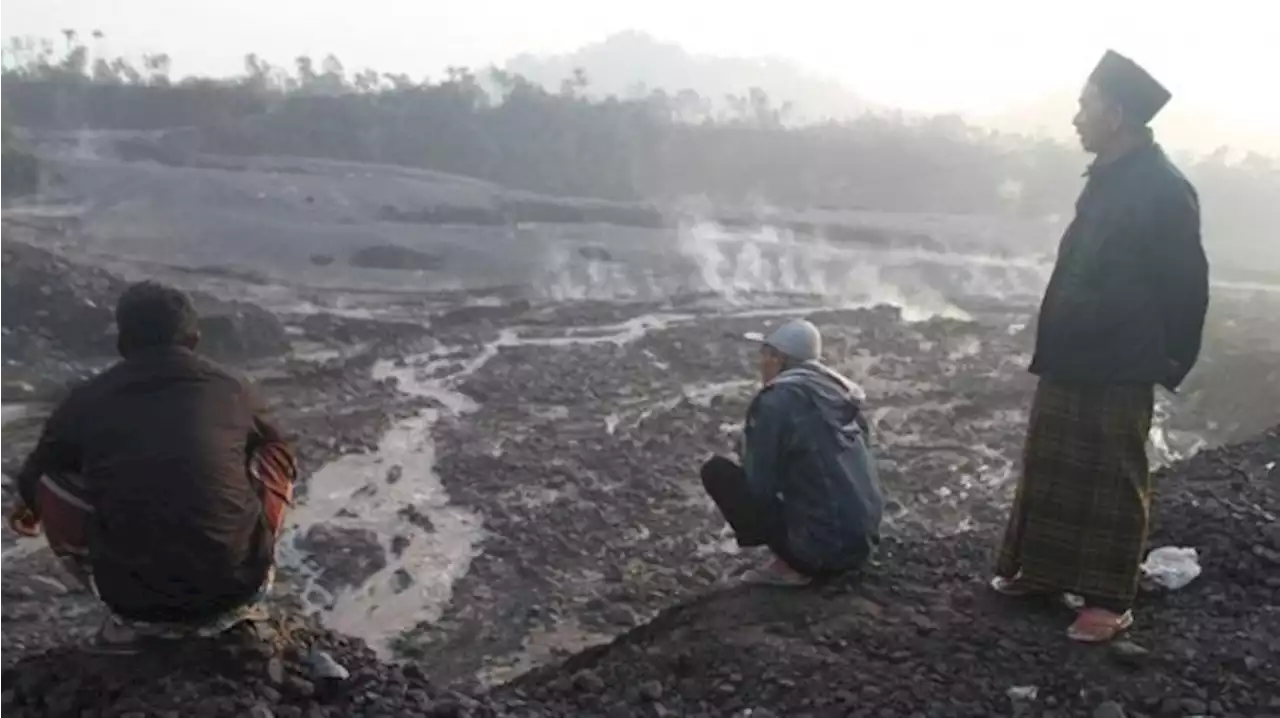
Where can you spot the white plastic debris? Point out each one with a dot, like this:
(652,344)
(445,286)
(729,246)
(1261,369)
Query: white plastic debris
(323,666)
(1023,693)
(1170,567)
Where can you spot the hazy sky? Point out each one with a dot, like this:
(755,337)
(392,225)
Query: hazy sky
(941,55)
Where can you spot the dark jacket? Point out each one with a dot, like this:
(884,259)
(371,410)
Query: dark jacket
(1127,298)
(160,439)
(806,446)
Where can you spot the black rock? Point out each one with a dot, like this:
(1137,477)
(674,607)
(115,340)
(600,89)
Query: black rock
(589,682)
(1109,709)
(1194,706)
(651,690)
(1129,653)
(300,687)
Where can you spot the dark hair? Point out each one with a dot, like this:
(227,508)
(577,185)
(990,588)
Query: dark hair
(787,361)
(151,315)
(1129,122)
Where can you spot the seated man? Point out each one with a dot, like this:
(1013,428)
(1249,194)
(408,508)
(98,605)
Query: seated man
(160,482)
(807,487)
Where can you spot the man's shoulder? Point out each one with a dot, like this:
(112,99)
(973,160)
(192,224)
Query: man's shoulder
(99,381)
(185,364)
(780,392)
(1155,187)
(1164,180)
(213,368)
(217,372)
(792,381)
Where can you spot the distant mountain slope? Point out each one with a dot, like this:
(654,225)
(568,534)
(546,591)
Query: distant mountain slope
(631,63)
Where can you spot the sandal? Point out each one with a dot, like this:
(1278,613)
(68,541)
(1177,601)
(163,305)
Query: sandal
(1095,625)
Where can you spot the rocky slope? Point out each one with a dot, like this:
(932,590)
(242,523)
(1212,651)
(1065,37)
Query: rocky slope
(918,635)
(60,313)
(583,421)
(20,166)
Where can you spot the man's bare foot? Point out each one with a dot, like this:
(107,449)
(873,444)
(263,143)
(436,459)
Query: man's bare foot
(776,573)
(24,522)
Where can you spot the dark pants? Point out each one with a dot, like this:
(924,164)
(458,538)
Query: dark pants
(754,522)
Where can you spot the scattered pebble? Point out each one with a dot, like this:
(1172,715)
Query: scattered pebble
(1023,693)
(1129,653)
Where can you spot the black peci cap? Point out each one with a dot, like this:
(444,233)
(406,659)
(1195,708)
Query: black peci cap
(1128,85)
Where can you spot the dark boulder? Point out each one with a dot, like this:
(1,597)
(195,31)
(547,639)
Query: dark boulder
(235,331)
(444,214)
(345,557)
(546,210)
(390,256)
(595,254)
(21,169)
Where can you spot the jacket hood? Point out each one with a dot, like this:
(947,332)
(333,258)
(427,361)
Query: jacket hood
(829,384)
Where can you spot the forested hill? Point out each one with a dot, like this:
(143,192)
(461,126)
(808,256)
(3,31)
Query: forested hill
(501,127)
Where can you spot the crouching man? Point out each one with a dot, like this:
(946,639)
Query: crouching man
(807,487)
(160,483)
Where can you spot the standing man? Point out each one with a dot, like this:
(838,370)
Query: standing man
(1123,312)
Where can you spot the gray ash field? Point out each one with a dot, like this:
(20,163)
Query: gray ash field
(501,512)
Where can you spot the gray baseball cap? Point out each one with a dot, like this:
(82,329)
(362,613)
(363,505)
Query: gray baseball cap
(798,339)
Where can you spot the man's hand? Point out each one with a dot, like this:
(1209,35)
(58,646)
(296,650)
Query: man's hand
(1174,374)
(23,521)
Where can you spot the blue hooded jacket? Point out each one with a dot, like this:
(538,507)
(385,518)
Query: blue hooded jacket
(807,447)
